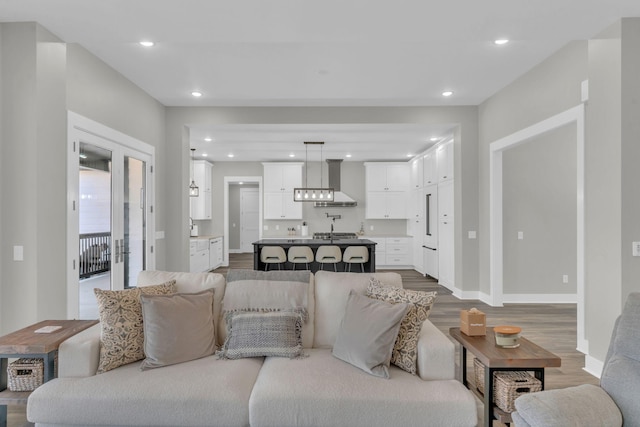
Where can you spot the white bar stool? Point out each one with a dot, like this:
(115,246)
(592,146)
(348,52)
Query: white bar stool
(328,255)
(356,254)
(272,255)
(300,255)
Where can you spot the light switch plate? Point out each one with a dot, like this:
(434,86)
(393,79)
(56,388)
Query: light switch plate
(18,253)
(636,249)
(472,234)
(520,235)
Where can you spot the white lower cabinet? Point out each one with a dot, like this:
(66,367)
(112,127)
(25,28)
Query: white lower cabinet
(199,255)
(215,253)
(393,251)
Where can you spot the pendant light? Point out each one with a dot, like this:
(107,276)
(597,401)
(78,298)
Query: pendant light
(194,191)
(312,194)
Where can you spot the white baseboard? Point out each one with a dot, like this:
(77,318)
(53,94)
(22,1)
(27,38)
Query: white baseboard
(540,298)
(593,366)
(235,251)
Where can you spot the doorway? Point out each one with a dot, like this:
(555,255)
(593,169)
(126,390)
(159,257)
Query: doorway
(249,220)
(232,213)
(110,221)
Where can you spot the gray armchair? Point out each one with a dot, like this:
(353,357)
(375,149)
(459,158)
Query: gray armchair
(615,403)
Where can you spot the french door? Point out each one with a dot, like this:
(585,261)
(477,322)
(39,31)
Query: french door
(110,238)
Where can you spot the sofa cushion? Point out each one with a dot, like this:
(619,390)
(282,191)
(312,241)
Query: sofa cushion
(367,333)
(122,335)
(203,392)
(324,391)
(405,349)
(177,328)
(254,334)
(332,290)
(234,277)
(190,283)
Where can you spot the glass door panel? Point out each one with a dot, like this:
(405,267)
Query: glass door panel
(134,219)
(95,225)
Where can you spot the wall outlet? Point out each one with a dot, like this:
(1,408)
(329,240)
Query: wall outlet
(371,228)
(520,235)
(565,278)
(277,227)
(636,249)
(265,227)
(472,234)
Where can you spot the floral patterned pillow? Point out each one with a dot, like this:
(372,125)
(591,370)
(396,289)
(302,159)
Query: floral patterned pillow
(122,336)
(405,352)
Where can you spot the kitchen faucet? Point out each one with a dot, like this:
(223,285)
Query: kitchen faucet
(333,219)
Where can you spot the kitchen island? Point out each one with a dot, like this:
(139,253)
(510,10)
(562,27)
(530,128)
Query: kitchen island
(314,244)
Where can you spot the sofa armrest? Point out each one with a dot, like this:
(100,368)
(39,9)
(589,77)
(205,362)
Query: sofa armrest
(579,406)
(436,354)
(79,355)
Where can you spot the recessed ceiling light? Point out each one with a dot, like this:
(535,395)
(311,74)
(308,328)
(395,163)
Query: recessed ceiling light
(230,155)
(434,139)
(204,154)
(348,155)
(447,93)
(409,155)
(147,43)
(241,183)
(292,155)
(196,94)
(501,41)
(208,139)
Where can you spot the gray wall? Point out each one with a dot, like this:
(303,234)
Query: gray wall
(539,199)
(97,91)
(549,88)
(33,140)
(234,216)
(465,147)
(612,156)
(41,79)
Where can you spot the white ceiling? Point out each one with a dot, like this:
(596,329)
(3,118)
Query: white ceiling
(329,53)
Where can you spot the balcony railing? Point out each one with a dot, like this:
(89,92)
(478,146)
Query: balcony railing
(95,253)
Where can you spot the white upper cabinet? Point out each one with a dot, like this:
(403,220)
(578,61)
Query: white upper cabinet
(279,181)
(444,160)
(417,180)
(387,176)
(386,205)
(430,172)
(202,175)
(282,176)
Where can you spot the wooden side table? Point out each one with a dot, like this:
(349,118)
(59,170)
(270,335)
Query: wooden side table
(27,343)
(527,357)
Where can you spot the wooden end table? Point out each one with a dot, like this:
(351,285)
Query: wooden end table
(27,343)
(527,357)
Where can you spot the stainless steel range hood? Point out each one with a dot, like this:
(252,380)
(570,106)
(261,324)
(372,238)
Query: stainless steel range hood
(340,200)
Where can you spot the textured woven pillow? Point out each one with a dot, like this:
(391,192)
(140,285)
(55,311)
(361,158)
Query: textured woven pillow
(177,328)
(122,336)
(405,349)
(256,334)
(367,333)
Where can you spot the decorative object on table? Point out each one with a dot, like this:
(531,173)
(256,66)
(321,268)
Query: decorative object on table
(305,229)
(473,322)
(509,385)
(25,374)
(507,336)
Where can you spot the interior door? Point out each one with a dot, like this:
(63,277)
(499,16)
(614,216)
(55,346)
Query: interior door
(110,219)
(249,218)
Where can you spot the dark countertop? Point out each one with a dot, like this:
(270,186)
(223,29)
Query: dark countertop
(314,242)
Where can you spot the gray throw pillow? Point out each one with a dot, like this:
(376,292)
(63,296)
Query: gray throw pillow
(258,334)
(368,332)
(177,328)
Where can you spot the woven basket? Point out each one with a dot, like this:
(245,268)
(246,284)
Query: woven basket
(25,374)
(478,374)
(509,385)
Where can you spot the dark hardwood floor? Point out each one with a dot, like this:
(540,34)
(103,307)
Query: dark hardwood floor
(552,326)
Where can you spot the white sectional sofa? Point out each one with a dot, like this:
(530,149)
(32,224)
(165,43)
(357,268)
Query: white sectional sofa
(318,390)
